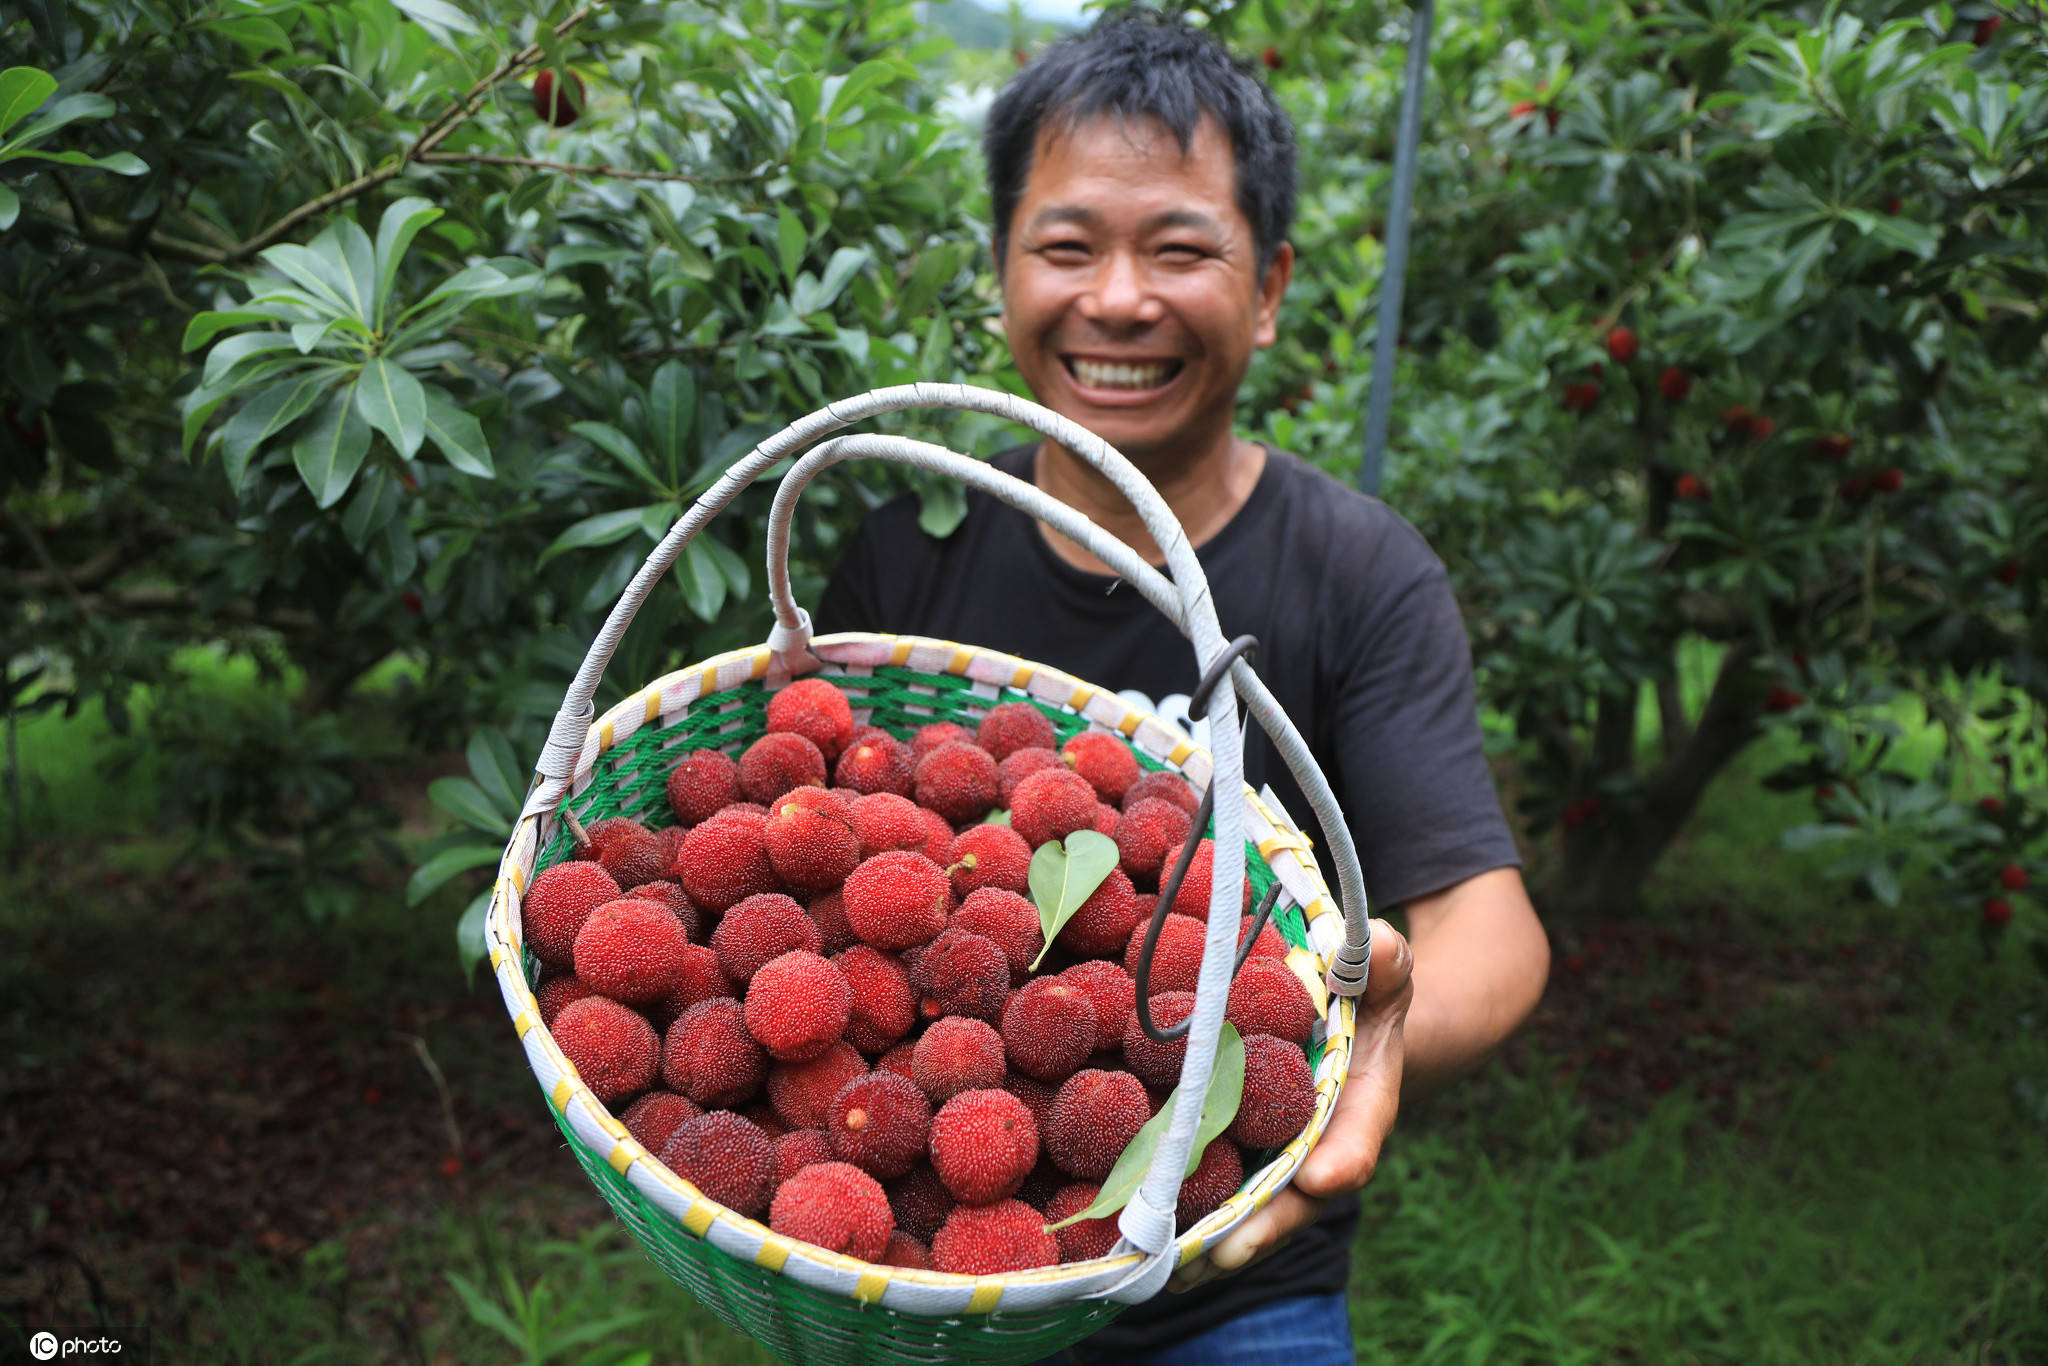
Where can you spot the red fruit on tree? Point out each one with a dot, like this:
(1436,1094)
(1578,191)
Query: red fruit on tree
(1994,805)
(412,602)
(1893,204)
(1986,30)
(2013,878)
(1889,481)
(1020,56)
(1581,397)
(1997,912)
(1782,698)
(1835,445)
(1550,116)
(1522,109)
(1674,384)
(560,105)
(1692,489)
(1271,57)
(2009,572)
(1761,428)
(1737,419)
(1622,345)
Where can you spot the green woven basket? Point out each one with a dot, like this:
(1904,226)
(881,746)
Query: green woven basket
(802,1302)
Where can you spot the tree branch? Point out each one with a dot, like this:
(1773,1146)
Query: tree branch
(573,168)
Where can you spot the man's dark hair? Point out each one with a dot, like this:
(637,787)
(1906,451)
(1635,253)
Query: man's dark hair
(1138,63)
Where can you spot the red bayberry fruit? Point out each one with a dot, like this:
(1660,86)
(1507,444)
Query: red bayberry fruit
(1889,481)
(1893,204)
(560,105)
(1994,805)
(1622,345)
(1522,109)
(413,602)
(1581,397)
(1674,384)
(1997,912)
(1986,30)
(1737,419)
(1835,445)
(1761,428)
(2013,878)
(1271,57)
(2009,572)
(1782,698)
(1693,489)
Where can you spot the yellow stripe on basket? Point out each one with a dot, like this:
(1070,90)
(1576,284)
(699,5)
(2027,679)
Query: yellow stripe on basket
(564,1089)
(1021,679)
(527,1020)
(1080,696)
(622,1155)
(604,737)
(1317,909)
(1190,1248)
(707,680)
(653,706)
(1132,720)
(774,1252)
(498,959)
(519,880)
(962,657)
(899,653)
(871,1286)
(986,1297)
(1308,969)
(762,656)
(699,1215)
(1180,753)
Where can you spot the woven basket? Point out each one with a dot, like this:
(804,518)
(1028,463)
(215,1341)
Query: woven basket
(802,1302)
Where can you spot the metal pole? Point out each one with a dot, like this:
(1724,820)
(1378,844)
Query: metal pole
(1380,407)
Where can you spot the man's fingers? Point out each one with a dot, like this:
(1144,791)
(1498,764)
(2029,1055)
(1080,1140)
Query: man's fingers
(1251,1241)
(1344,1158)
(1392,964)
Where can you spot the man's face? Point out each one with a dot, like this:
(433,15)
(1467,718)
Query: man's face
(1131,296)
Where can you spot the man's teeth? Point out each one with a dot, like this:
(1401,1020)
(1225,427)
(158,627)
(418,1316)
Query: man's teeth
(1097,376)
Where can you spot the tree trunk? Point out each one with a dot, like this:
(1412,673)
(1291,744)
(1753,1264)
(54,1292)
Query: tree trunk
(1607,860)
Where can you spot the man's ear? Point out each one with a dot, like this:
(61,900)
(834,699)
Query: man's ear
(1266,322)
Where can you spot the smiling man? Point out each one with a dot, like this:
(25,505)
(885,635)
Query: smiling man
(1143,183)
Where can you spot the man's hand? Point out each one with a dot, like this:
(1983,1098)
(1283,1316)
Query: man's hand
(1343,1160)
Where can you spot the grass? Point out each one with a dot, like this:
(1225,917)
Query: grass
(1885,1206)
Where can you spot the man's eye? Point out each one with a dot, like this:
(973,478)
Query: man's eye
(1184,249)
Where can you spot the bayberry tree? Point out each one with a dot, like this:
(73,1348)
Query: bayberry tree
(1737,356)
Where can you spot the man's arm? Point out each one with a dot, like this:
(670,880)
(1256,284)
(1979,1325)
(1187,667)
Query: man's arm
(1481,961)
(1438,1002)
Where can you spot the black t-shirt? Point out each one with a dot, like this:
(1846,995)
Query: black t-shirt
(1359,640)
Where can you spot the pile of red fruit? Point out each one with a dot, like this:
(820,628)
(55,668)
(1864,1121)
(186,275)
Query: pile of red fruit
(833,1006)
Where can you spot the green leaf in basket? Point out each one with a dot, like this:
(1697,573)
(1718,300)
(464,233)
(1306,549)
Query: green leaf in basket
(997,817)
(465,801)
(445,865)
(1219,1107)
(1062,877)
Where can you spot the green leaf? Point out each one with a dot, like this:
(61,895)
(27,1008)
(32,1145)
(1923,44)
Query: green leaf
(313,273)
(619,446)
(1219,1107)
(438,17)
(859,82)
(10,207)
(703,586)
(790,240)
(1062,877)
(470,948)
(671,414)
(464,800)
(120,163)
(459,436)
(392,401)
(447,864)
(375,504)
(22,91)
(352,260)
(230,353)
(497,770)
(331,450)
(70,109)
(264,416)
(602,529)
(401,223)
(941,508)
(731,567)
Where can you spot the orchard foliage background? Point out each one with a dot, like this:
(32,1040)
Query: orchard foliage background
(335,333)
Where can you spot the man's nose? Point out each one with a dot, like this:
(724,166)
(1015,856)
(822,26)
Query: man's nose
(1122,291)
